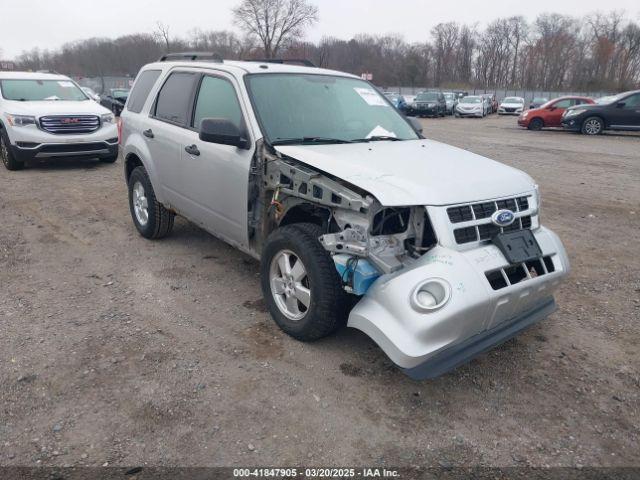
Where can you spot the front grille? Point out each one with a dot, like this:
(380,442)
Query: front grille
(70,124)
(483,211)
(514,274)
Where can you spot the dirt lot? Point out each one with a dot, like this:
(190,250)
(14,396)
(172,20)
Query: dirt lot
(122,351)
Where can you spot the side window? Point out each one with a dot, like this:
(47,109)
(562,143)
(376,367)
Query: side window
(217,99)
(174,100)
(144,84)
(564,103)
(632,102)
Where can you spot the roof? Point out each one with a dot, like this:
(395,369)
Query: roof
(242,68)
(31,76)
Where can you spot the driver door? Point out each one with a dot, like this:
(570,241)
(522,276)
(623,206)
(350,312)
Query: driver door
(214,176)
(555,112)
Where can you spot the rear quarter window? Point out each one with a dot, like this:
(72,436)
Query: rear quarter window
(138,97)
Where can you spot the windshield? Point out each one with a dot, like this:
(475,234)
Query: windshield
(471,100)
(330,109)
(120,93)
(41,90)
(427,97)
(513,100)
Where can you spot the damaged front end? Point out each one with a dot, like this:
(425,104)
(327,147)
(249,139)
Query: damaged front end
(430,302)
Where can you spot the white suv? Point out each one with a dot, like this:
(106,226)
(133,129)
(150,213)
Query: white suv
(45,116)
(434,252)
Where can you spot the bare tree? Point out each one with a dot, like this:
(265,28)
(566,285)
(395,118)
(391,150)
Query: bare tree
(162,35)
(275,22)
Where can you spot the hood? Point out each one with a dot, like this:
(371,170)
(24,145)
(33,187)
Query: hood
(40,109)
(416,172)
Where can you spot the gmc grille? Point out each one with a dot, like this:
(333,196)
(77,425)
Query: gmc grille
(70,124)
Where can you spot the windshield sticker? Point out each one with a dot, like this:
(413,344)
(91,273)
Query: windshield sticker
(381,132)
(371,97)
(66,84)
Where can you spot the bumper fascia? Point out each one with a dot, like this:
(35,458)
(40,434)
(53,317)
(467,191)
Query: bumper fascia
(573,125)
(475,319)
(464,352)
(108,150)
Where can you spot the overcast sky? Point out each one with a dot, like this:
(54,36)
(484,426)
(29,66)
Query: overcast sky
(25,24)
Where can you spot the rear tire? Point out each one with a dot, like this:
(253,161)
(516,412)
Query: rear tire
(536,124)
(592,126)
(295,268)
(6,155)
(152,220)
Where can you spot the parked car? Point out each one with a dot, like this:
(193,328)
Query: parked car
(494,102)
(511,106)
(428,104)
(472,106)
(451,100)
(397,100)
(355,218)
(91,94)
(537,102)
(550,114)
(622,112)
(44,116)
(115,100)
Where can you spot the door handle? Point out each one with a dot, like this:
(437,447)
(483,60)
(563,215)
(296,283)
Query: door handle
(148,133)
(192,150)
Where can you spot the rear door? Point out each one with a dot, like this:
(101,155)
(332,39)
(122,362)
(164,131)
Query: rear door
(170,117)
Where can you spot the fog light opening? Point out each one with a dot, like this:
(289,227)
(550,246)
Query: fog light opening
(431,295)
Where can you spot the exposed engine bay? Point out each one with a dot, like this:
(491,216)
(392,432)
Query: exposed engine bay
(365,239)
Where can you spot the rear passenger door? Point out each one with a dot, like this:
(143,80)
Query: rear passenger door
(170,118)
(214,181)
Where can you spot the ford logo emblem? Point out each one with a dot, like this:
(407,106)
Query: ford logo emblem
(503,218)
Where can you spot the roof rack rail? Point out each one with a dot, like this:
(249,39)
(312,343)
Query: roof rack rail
(192,56)
(301,61)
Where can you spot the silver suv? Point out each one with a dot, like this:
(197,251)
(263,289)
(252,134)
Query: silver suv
(434,252)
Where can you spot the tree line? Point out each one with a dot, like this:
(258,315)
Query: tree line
(599,51)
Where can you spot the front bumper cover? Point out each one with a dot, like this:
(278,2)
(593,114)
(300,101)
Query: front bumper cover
(476,317)
(27,152)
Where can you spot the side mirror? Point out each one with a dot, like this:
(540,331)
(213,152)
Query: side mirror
(415,123)
(222,131)
(620,105)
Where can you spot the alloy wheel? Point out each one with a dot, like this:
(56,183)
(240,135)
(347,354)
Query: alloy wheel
(592,127)
(140,204)
(289,283)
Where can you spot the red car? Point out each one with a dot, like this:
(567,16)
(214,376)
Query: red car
(550,114)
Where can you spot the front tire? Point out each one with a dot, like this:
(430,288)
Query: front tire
(536,124)
(592,126)
(300,283)
(6,155)
(152,220)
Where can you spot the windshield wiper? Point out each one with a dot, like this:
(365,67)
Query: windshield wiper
(378,138)
(297,141)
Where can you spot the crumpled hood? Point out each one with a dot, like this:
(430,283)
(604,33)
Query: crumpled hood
(40,109)
(416,172)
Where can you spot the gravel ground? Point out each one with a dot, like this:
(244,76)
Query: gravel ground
(122,351)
